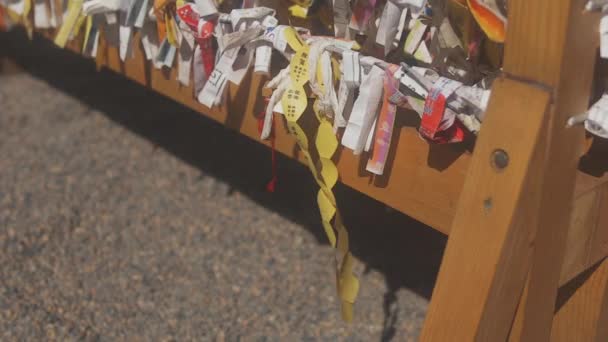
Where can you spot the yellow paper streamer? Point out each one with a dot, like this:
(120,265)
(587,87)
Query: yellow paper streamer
(74,10)
(87,31)
(27,9)
(294,102)
(171,27)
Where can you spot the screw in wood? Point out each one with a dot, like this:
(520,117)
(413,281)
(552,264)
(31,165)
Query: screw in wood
(500,159)
(487,204)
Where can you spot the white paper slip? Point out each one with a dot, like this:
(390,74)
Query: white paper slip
(111,18)
(125,40)
(409,80)
(198,70)
(42,15)
(271,107)
(604,36)
(263,55)
(415,5)
(447,35)
(414,37)
(102,6)
(92,42)
(136,13)
(52,14)
(185,55)
(422,53)
(246,16)
(364,111)
(166,54)
(595,5)
(241,66)
(370,136)
(17,6)
(342,15)
(351,68)
(149,40)
(389,26)
(205,8)
(213,91)
(597,118)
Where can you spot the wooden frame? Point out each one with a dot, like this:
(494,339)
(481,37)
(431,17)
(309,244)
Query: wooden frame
(527,240)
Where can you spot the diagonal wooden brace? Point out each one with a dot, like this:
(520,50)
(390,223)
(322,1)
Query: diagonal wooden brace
(487,257)
(517,235)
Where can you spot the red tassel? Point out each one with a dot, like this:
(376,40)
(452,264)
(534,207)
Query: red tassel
(271,186)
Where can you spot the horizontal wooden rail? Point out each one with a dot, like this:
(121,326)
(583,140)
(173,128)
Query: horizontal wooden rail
(423,181)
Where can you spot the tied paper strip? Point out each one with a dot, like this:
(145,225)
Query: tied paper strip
(280,84)
(362,14)
(604,36)
(42,14)
(244,18)
(166,54)
(389,25)
(150,43)
(385,124)
(231,66)
(53,8)
(205,8)
(392,21)
(74,10)
(351,68)
(186,54)
(202,31)
(439,123)
(133,17)
(213,91)
(414,38)
(349,82)
(91,41)
(263,55)
(101,6)
(597,119)
(200,75)
(205,31)
(364,111)
(342,15)
(601,5)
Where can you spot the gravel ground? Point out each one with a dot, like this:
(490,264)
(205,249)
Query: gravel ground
(124,216)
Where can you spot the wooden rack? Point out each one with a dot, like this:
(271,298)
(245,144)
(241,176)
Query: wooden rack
(528,230)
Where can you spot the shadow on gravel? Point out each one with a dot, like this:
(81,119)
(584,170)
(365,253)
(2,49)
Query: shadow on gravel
(405,251)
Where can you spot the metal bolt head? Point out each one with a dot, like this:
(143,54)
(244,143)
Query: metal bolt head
(500,159)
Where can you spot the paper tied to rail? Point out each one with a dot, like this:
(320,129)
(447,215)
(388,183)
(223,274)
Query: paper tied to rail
(439,122)
(601,6)
(597,118)
(236,52)
(393,20)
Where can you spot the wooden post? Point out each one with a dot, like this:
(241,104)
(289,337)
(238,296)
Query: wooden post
(490,252)
(572,85)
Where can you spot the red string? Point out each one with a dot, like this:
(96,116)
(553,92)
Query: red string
(270,187)
(2,23)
